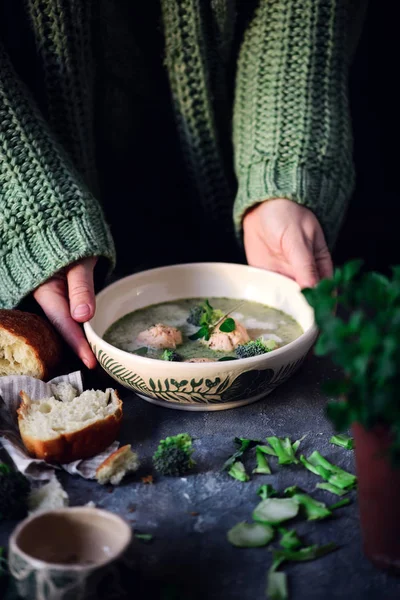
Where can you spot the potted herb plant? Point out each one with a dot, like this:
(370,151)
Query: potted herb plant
(358,315)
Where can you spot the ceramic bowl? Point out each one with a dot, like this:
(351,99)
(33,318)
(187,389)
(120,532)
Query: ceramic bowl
(65,553)
(201,386)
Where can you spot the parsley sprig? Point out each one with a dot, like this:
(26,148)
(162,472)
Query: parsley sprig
(210,319)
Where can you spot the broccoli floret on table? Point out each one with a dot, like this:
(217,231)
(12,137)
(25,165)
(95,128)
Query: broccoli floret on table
(255,348)
(174,455)
(14,491)
(171,355)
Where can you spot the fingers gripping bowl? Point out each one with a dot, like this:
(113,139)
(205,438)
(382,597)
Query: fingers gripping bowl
(210,385)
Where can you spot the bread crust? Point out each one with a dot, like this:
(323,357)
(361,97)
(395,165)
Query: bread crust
(109,461)
(38,334)
(68,447)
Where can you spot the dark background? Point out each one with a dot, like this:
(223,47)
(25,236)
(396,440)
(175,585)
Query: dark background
(370,230)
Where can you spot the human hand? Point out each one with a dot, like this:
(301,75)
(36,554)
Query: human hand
(67,299)
(286,237)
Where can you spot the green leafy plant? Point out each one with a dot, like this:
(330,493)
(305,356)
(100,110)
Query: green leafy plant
(358,315)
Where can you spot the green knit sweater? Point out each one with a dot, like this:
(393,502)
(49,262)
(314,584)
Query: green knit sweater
(259,95)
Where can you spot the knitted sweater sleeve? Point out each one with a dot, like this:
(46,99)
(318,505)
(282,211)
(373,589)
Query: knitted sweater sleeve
(292,129)
(48,218)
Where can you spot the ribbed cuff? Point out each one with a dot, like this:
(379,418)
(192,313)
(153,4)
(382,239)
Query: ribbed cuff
(326,197)
(43,252)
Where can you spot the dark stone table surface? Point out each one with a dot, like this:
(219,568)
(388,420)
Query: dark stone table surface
(189,556)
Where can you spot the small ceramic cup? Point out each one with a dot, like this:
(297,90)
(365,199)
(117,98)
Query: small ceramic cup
(64,554)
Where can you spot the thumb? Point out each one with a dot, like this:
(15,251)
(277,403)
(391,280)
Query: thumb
(81,289)
(303,264)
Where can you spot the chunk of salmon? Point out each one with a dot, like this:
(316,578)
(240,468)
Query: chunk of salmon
(160,336)
(226,342)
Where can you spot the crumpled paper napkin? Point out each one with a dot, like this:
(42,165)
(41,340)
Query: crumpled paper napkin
(32,468)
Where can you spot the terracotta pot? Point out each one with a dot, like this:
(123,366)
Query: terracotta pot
(378,498)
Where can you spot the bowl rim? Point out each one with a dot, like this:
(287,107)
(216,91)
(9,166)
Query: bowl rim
(43,564)
(304,339)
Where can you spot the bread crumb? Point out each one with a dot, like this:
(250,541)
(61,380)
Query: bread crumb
(148,479)
(117,465)
(48,497)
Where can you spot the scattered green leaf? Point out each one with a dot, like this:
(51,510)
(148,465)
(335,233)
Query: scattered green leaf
(267,450)
(342,440)
(318,465)
(338,476)
(144,537)
(275,510)
(304,554)
(238,471)
(340,504)
(243,446)
(331,488)
(289,540)
(266,491)
(283,449)
(314,509)
(250,535)
(262,463)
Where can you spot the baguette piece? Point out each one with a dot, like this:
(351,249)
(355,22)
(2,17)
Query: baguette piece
(117,465)
(28,345)
(78,428)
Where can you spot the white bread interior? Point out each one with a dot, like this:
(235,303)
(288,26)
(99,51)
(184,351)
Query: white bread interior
(48,418)
(116,466)
(17,357)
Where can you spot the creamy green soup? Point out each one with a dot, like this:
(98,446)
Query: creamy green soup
(261,321)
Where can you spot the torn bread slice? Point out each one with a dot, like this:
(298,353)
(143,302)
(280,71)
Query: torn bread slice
(117,465)
(81,427)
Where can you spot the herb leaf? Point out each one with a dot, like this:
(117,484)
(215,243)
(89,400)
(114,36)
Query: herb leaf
(340,504)
(314,509)
(306,553)
(237,471)
(318,465)
(289,540)
(328,487)
(262,463)
(283,449)
(244,445)
(266,491)
(228,325)
(343,441)
(202,332)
